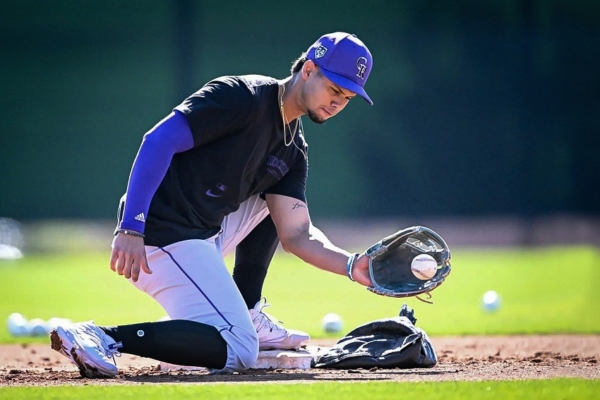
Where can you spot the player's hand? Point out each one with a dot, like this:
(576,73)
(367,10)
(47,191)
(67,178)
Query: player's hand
(129,256)
(360,271)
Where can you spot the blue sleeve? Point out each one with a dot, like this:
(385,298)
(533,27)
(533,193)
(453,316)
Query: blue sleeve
(171,135)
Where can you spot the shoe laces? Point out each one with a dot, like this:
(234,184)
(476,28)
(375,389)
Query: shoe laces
(98,336)
(266,319)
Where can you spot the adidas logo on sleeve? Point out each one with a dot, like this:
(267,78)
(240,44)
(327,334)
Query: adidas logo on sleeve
(140,217)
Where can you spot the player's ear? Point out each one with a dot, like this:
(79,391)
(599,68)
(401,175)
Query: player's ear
(308,68)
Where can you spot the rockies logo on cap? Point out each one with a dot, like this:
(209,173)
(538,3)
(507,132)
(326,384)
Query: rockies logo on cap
(361,64)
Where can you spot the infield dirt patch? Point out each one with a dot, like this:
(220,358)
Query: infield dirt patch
(460,358)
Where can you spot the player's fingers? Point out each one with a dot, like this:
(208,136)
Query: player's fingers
(140,264)
(361,271)
(135,271)
(124,263)
(119,263)
(145,266)
(129,265)
(364,279)
(114,257)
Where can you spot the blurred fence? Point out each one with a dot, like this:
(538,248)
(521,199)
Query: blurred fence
(481,108)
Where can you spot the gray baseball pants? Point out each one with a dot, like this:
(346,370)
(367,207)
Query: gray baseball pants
(190,281)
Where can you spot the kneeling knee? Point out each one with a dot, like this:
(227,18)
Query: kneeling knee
(242,350)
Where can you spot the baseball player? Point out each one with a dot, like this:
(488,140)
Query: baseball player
(222,171)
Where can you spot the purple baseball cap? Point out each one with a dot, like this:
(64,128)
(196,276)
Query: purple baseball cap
(344,60)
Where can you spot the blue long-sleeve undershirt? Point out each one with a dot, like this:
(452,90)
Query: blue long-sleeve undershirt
(171,135)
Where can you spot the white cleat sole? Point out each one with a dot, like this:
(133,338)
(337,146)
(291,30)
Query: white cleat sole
(290,343)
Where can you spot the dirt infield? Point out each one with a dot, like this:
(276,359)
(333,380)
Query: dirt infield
(460,358)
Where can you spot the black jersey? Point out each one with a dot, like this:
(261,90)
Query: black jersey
(239,151)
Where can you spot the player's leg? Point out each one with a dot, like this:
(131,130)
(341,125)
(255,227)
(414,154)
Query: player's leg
(253,255)
(93,348)
(251,232)
(191,282)
(210,324)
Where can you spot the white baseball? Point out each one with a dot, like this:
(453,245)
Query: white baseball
(17,325)
(37,327)
(424,266)
(491,301)
(332,323)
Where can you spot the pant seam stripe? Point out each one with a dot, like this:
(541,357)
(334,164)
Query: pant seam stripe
(197,287)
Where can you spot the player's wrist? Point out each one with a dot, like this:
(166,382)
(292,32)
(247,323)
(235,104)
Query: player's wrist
(350,266)
(129,232)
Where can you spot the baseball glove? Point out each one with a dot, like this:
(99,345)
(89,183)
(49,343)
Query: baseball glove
(390,263)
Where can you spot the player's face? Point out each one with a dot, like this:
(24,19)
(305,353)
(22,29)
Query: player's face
(323,98)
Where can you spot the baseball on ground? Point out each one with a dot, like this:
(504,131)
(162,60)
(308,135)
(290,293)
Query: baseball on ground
(17,325)
(332,323)
(424,266)
(490,301)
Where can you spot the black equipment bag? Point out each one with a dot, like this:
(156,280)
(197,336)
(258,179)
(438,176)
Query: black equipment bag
(385,343)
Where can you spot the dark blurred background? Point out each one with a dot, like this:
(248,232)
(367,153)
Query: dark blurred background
(482,108)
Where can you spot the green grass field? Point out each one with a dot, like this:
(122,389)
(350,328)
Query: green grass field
(572,389)
(543,291)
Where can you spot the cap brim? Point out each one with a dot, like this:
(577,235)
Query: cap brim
(346,84)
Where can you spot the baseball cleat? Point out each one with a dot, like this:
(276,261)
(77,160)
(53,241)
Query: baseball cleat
(88,347)
(271,335)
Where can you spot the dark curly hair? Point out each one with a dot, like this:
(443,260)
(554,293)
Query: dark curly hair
(298,63)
